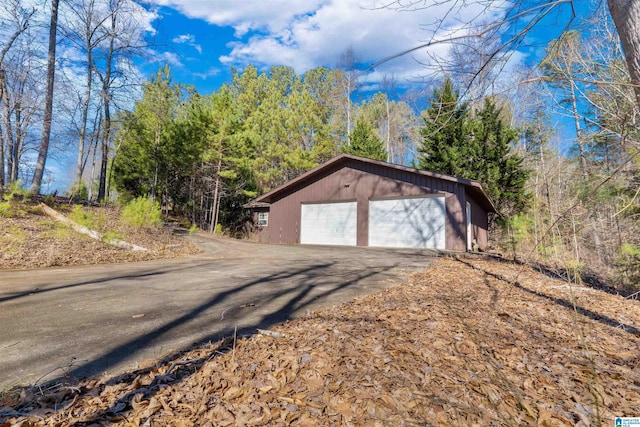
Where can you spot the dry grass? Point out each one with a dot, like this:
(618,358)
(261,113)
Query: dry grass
(30,239)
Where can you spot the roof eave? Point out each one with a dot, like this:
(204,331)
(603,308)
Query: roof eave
(266,198)
(488,203)
(255,204)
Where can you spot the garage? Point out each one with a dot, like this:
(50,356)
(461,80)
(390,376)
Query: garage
(417,222)
(329,223)
(351,200)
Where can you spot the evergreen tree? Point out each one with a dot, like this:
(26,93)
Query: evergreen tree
(145,163)
(444,137)
(479,148)
(364,143)
(494,164)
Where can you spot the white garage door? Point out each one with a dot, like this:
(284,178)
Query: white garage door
(329,223)
(408,223)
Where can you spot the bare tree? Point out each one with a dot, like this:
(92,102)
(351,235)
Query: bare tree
(514,21)
(21,106)
(106,102)
(21,18)
(347,63)
(124,39)
(48,110)
(388,85)
(562,67)
(85,28)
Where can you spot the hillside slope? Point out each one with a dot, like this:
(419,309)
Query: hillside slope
(30,239)
(467,342)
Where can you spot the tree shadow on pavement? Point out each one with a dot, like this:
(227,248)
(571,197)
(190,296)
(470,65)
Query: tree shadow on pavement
(309,286)
(108,278)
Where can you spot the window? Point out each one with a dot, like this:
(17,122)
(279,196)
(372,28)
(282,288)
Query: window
(263,219)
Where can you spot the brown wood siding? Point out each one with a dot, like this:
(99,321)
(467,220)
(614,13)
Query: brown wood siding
(362,181)
(260,233)
(479,223)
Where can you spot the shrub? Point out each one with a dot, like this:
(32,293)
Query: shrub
(6,211)
(78,215)
(628,268)
(10,209)
(16,191)
(49,200)
(13,236)
(110,236)
(517,231)
(58,231)
(79,191)
(142,212)
(575,269)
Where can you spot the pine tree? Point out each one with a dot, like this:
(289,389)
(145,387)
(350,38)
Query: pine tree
(444,138)
(494,163)
(364,143)
(144,165)
(478,148)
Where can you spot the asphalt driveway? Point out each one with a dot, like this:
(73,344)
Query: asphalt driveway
(79,321)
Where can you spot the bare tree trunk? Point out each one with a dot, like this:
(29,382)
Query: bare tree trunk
(154,190)
(389,157)
(85,114)
(192,194)
(2,182)
(579,136)
(48,108)
(547,190)
(576,246)
(626,17)
(202,217)
(86,15)
(3,84)
(18,143)
(106,98)
(106,137)
(8,133)
(93,170)
(216,199)
(347,62)
(348,110)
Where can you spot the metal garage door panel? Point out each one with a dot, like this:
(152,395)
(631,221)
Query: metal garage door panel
(329,223)
(407,223)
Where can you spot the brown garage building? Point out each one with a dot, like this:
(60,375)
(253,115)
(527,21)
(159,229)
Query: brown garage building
(351,200)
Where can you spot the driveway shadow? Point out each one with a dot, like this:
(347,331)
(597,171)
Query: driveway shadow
(307,286)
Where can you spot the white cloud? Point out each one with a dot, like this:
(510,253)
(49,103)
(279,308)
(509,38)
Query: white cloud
(184,38)
(170,58)
(189,40)
(211,72)
(247,15)
(308,33)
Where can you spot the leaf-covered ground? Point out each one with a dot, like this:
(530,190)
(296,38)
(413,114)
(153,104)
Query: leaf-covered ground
(30,239)
(469,342)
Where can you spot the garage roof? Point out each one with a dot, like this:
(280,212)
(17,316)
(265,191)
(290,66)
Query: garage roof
(473,187)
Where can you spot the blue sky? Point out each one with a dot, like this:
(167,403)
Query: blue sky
(203,39)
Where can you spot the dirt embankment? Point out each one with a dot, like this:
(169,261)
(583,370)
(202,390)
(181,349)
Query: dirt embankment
(31,239)
(467,342)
